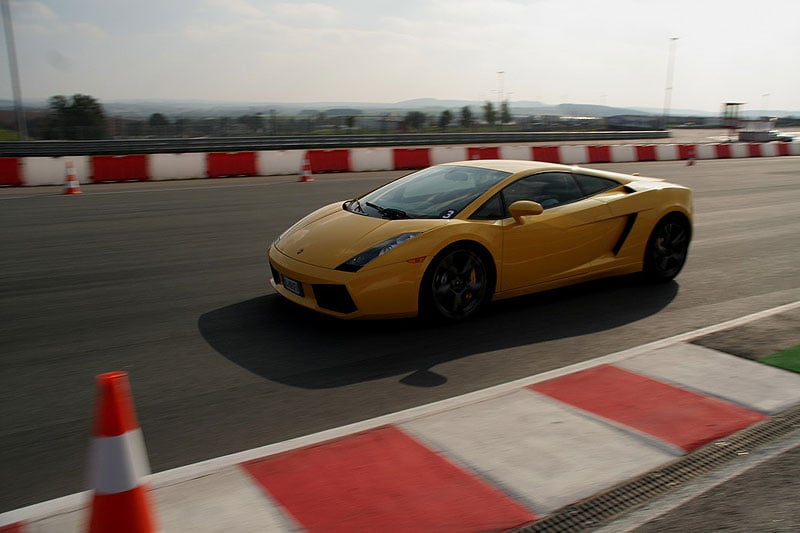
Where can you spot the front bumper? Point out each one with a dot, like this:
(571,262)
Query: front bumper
(391,291)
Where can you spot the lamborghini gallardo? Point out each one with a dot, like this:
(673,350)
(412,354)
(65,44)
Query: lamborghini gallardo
(445,241)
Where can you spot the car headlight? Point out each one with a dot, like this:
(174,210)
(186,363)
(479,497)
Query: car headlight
(354,264)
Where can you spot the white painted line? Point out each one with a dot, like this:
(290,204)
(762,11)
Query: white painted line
(62,505)
(88,192)
(184,473)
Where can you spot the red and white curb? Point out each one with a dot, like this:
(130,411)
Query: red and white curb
(486,461)
(18,171)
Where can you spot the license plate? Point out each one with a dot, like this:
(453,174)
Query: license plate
(292,285)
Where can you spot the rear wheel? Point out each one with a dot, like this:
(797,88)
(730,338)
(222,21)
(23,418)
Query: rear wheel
(667,248)
(456,285)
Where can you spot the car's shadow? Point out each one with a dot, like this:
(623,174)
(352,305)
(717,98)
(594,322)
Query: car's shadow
(288,344)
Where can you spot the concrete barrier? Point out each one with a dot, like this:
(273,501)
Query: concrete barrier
(177,166)
(706,151)
(11,171)
(447,154)
(280,162)
(515,152)
(740,150)
(52,170)
(224,164)
(549,154)
(133,167)
(623,154)
(370,159)
(573,155)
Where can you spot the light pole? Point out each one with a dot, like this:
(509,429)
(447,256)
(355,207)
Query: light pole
(668,90)
(22,129)
(499,88)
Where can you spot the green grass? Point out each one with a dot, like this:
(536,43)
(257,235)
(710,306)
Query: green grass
(8,135)
(787,359)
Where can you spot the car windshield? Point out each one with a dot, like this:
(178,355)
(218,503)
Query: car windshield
(436,192)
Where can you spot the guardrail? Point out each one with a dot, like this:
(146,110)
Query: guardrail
(236,144)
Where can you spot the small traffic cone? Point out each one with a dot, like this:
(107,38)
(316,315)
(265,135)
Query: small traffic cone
(305,172)
(72,185)
(118,462)
(691,156)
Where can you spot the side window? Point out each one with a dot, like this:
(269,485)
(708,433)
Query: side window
(550,189)
(592,185)
(491,210)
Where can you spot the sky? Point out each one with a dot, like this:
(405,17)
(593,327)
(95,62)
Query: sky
(609,52)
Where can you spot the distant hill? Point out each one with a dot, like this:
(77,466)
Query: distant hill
(143,108)
(133,109)
(745,113)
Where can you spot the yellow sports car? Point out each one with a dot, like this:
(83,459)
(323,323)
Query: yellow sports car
(444,241)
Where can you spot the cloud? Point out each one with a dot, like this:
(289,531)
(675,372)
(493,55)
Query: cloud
(295,14)
(378,50)
(238,8)
(26,12)
(306,14)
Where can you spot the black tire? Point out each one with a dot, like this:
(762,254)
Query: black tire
(457,284)
(667,248)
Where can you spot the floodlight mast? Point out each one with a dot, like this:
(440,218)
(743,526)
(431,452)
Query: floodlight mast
(668,89)
(8,27)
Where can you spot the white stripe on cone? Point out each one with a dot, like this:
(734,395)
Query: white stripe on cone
(119,463)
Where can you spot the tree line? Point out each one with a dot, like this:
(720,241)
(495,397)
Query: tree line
(81,117)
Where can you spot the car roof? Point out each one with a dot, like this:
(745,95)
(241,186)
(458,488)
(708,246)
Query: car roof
(516,166)
(509,165)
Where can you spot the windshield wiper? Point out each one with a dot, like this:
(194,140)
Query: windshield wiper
(389,212)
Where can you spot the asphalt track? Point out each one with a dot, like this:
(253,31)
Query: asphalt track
(168,281)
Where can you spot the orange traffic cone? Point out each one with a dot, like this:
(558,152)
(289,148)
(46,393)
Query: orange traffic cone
(692,156)
(72,186)
(118,462)
(305,173)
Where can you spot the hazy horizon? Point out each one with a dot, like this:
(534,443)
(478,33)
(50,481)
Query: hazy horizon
(147,106)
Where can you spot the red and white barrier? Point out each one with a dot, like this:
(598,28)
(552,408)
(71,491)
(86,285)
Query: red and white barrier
(133,167)
(177,166)
(50,170)
(279,162)
(371,159)
(11,171)
(572,154)
(140,167)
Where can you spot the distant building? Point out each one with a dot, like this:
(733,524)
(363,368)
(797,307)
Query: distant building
(562,123)
(633,122)
(758,131)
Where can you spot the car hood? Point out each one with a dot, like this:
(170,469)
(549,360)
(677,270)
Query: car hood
(331,235)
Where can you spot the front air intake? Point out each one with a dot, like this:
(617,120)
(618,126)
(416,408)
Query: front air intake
(334,298)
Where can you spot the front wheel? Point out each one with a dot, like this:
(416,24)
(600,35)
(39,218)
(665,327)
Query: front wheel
(456,285)
(667,248)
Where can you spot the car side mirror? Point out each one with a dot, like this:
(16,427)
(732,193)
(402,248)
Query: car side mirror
(525,208)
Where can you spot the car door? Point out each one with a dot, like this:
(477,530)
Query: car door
(571,236)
